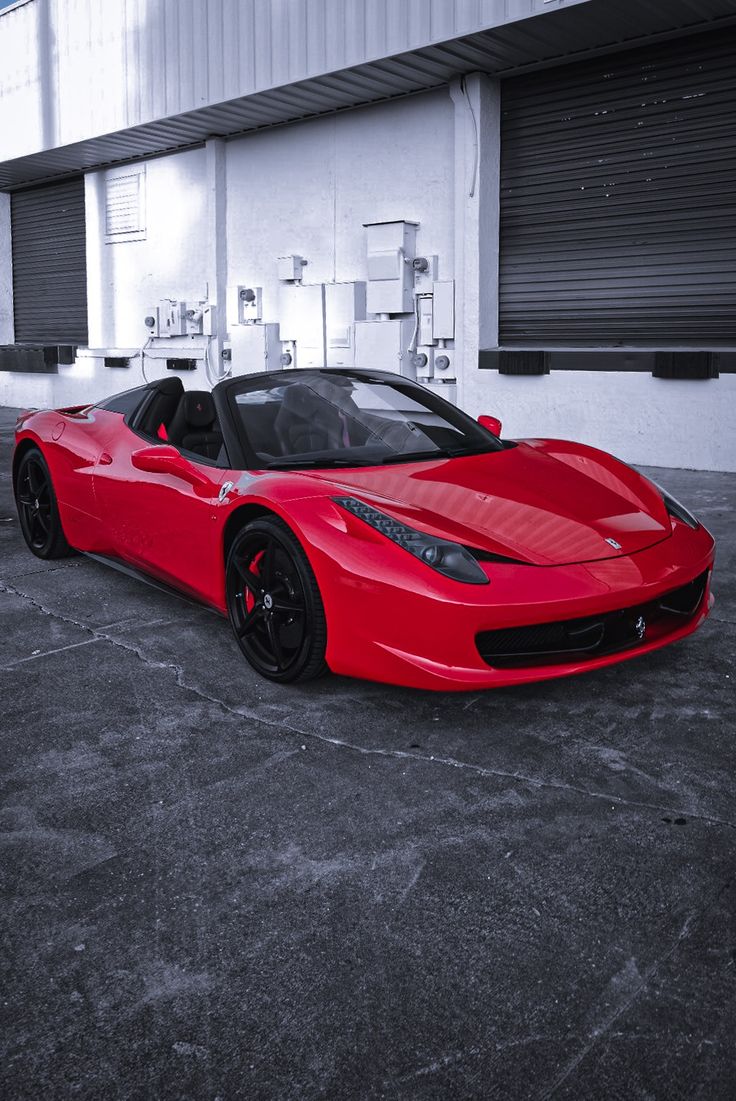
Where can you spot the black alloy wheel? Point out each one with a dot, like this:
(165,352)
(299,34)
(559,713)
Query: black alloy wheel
(274,603)
(37,508)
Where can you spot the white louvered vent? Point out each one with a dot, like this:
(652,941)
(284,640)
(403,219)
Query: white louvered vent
(125,217)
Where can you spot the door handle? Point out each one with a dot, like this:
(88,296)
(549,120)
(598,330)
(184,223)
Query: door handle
(105,459)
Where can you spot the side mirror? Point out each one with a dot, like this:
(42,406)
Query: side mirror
(165,459)
(493,424)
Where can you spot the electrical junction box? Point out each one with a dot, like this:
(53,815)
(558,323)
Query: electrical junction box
(383,345)
(302,322)
(390,251)
(344,305)
(250,304)
(290,268)
(255,348)
(171,318)
(425,317)
(443,310)
(209,319)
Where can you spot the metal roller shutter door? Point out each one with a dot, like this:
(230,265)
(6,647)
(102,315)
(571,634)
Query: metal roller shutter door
(618,199)
(49,264)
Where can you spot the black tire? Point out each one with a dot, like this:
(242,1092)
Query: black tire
(38,510)
(274,603)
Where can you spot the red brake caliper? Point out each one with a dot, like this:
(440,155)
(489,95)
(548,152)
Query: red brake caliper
(255,567)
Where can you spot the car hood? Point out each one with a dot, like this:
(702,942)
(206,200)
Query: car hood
(546,502)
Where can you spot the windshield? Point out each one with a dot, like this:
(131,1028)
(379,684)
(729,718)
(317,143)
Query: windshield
(329,418)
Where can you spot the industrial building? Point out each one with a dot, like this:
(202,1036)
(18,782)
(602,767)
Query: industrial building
(528,204)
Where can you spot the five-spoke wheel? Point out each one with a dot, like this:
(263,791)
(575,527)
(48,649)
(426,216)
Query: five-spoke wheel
(37,508)
(274,603)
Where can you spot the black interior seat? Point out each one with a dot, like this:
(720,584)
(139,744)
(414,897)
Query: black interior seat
(194,425)
(307,421)
(159,411)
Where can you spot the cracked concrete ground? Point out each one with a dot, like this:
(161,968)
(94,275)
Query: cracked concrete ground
(218,888)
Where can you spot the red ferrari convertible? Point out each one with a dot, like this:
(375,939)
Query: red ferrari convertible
(355,521)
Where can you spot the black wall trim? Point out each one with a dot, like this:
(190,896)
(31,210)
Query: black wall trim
(686,365)
(523,363)
(701,364)
(41,360)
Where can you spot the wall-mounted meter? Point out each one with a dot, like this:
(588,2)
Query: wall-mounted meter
(151,321)
(193,317)
(250,304)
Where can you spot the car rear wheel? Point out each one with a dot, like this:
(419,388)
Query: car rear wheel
(38,510)
(274,603)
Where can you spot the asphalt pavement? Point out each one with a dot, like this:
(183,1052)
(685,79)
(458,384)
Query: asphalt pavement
(217,888)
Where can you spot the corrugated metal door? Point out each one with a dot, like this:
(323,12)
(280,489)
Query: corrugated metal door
(49,264)
(618,199)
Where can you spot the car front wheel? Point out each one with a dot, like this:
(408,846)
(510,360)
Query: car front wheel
(274,603)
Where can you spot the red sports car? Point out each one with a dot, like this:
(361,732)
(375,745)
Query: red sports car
(356,521)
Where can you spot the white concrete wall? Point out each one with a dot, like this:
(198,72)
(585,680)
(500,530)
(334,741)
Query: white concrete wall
(308,189)
(641,419)
(124,277)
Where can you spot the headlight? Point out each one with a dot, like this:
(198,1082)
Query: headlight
(677,510)
(447,558)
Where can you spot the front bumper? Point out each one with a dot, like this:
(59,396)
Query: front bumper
(396,621)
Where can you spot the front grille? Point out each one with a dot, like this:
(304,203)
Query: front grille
(591,636)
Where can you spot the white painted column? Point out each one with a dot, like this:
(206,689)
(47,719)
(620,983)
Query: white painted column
(7,334)
(100,289)
(216,261)
(477,100)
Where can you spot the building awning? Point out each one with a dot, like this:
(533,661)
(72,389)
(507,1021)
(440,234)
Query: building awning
(566,34)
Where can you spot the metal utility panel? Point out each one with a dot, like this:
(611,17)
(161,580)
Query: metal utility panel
(344,305)
(390,251)
(302,321)
(255,348)
(382,345)
(443,309)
